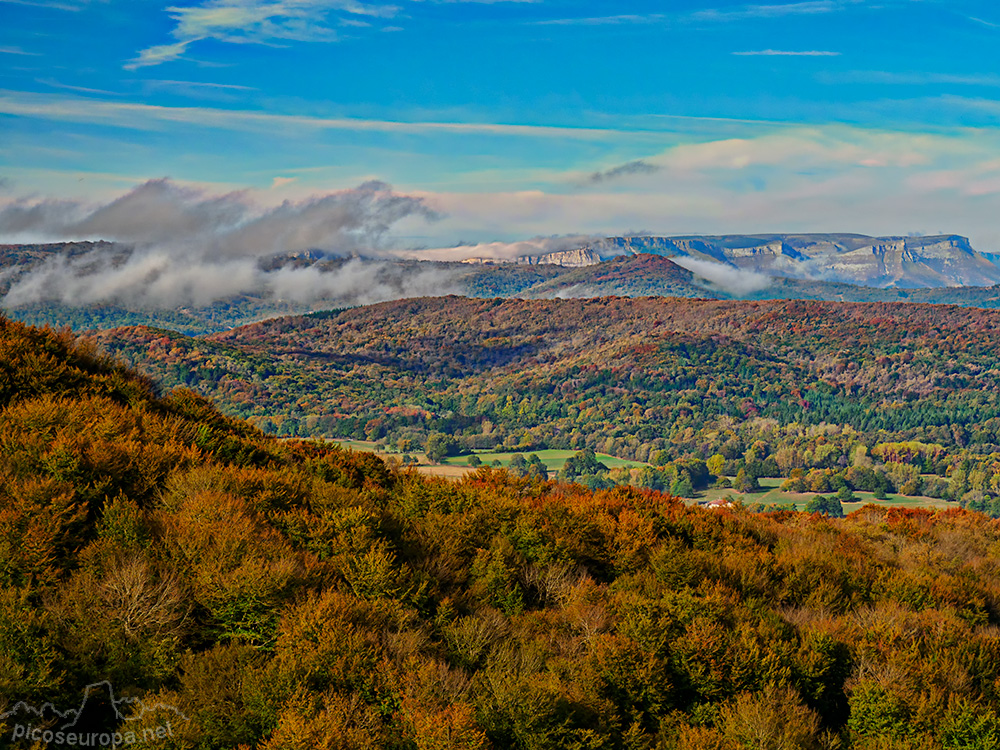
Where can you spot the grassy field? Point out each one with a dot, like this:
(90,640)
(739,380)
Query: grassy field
(456,467)
(553,459)
(772,495)
(357,445)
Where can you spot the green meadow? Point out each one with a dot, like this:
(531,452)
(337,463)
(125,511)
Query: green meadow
(771,494)
(553,459)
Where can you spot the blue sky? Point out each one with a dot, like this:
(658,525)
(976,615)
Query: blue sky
(516,119)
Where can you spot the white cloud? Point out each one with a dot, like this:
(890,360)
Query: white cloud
(160,53)
(821,179)
(256,21)
(734,280)
(805,147)
(270,22)
(775,179)
(183,246)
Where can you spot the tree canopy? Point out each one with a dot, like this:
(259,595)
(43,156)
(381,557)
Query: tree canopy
(289,594)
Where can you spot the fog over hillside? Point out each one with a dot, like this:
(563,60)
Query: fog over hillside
(177,246)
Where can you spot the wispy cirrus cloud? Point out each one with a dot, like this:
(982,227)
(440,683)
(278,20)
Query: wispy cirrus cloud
(155,117)
(720,15)
(811,7)
(159,53)
(269,22)
(620,19)
(156,83)
(82,89)
(911,79)
(984,22)
(17,51)
(48,4)
(198,89)
(786,53)
(256,22)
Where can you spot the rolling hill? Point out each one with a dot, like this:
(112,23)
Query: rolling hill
(790,389)
(642,275)
(233,590)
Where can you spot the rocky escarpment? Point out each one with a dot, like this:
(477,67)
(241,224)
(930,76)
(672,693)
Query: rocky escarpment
(886,262)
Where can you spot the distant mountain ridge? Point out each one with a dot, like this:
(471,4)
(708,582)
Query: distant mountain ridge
(882,262)
(647,275)
(755,267)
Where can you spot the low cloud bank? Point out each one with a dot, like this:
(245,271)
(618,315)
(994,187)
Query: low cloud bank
(179,246)
(733,280)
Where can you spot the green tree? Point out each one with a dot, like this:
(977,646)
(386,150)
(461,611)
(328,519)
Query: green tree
(682,486)
(518,465)
(715,464)
(582,463)
(438,446)
(829,506)
(970,727)
(536,468)
(745,482)
(876,713)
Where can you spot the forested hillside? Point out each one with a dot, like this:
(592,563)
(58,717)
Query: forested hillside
(800,390)
(641,275)
(30,295)
(290,595)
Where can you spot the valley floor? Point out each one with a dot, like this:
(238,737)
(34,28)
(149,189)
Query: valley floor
(456,467)
(773,495)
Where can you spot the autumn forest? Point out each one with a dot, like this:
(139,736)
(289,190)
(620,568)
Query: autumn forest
(880,397)
(281,592)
